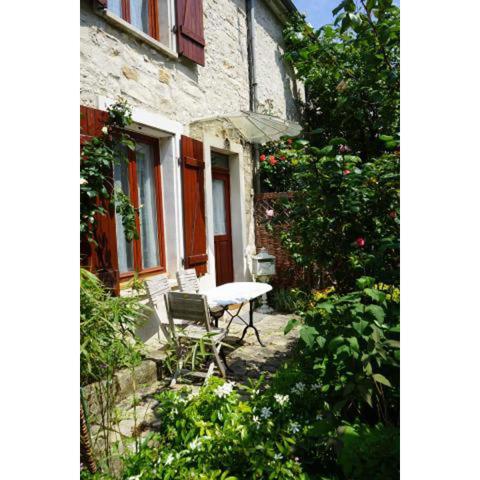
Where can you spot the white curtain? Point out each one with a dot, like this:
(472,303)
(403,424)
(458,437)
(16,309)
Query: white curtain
(139,14)
(125,249)
(219,227)
(115,6)
(148,211)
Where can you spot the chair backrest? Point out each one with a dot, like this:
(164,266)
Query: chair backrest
(157,287)
(190,307)
(188,281)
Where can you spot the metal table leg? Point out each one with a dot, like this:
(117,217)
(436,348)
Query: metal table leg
(251,325)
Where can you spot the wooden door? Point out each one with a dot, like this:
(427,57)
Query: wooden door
(222,228)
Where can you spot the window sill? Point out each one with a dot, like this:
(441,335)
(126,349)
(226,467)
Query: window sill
(127,27)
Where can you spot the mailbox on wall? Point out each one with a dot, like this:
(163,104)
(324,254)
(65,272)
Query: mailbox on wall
(263,264)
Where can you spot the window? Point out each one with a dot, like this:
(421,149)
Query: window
(140,179)
(153,17)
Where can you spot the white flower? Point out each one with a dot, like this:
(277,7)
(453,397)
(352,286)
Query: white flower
(319,417)
(255,392)
(194,444)
(105,130)
(83,181)
(299,387)
(169,459)
(256,420)
(278,456)
(269,213)
(294,427)
(192,395)
(266,412)
(136,477)
(281,399)
(224,390)
(316,386)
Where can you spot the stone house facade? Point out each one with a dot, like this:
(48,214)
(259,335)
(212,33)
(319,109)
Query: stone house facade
(183,65)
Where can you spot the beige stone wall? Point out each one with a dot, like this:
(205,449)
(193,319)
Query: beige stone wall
(277,90)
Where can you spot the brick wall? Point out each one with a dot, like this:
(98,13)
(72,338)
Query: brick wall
(288,273)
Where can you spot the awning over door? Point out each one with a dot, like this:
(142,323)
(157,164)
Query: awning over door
(260,128)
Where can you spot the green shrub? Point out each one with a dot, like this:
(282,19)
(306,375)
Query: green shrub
(107,330)
(289,300)
(370,453)
(350,345)
(343,220)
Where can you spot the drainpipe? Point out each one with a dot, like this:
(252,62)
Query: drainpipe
(251,52)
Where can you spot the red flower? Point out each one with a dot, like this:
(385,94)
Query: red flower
(272,160)
(289,141)
(282,158)
(360,242)
(346,172)
(263,158)
(393,214)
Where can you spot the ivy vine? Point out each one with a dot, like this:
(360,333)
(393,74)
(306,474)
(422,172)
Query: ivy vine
(97,159)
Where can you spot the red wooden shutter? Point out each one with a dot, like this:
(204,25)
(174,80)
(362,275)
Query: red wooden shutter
(191,43)
(102,258)
(194,205)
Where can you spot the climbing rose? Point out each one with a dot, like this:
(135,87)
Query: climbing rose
(344,149)
(360,242)
(263,158)
(346,172)
(272,160)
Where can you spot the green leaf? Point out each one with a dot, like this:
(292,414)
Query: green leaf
(290,325)
(377,312)
(308,334)
(385,138)
(327,306)
(354,344)
(378,377)
(375,295)
(365,282)
(335,343)
(326,150)
(321,341)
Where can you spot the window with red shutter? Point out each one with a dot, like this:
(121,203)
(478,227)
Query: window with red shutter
(191,42)
(195,232)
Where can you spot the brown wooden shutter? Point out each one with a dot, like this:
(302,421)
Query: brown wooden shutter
(102,258)
(102,3)
(191,42)
(195,231)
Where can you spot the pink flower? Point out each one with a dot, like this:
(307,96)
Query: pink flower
(263,158)
(344,149)
(269,213)
(346,172)
(289,141)
(272,160)
(360,242)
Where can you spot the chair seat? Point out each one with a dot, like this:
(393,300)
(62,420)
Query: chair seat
(196,332)
(216,309)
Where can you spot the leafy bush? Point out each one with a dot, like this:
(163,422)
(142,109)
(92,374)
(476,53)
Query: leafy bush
(217,435)
(344,217)
(107,330)
(370,453)
(289,300)
(350,345)
(351,72)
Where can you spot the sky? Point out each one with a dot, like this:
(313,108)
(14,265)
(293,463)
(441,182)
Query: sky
(319,12)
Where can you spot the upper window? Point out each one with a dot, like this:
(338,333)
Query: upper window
(153,17)
(140,179)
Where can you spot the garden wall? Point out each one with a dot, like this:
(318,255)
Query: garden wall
(288,273)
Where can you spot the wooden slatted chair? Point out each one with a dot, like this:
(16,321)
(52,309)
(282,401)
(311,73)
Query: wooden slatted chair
(188,282)
(192,308)
(157,288)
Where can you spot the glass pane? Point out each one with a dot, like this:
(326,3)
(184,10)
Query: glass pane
(148,204)
(219,160)
(139,14)
(115,6)
(219,220)
(164,21)
(125,249)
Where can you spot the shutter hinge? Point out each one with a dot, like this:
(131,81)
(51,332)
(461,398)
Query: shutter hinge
(183,261)
(174,29)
